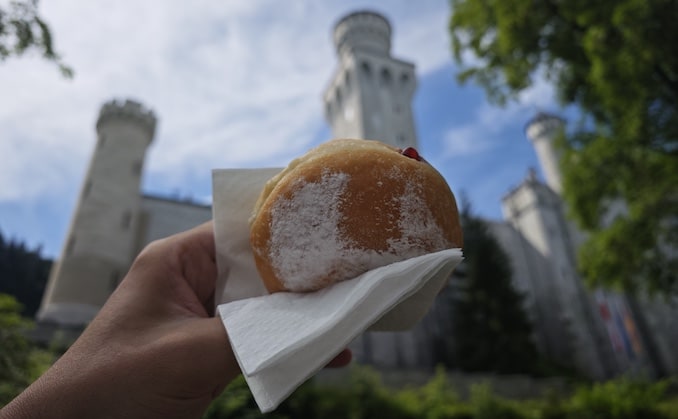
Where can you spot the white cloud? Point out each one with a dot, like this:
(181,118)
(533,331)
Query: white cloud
(484,132)
(235,83)
(464,141)
(424,40)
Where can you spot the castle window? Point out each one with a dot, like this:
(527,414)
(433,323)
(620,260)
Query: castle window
(385,77)
(347,81)
(338,97)
(366,70)
(404,79)
(126,220)
(87,189)
(136,168)
(70,246)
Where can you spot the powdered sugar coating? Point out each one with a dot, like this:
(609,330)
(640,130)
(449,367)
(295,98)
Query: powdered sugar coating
(307,244)
(416,223)
(305,239)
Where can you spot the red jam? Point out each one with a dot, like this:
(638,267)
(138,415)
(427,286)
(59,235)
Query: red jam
(411,153)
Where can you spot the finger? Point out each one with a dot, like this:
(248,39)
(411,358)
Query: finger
(185,259)
(202,236)
(341,360)
(198,262)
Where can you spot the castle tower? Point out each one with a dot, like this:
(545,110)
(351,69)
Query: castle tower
(98,247)
(537,212)
(370,94)
(370,97)
(542,131)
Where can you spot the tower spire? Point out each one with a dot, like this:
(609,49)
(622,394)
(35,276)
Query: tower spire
(542,131)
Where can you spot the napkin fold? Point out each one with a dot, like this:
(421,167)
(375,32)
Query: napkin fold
(282,339)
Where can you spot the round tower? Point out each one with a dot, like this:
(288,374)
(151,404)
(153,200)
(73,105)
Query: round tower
(370,96)
(363,30)
(98,248)
(542,130)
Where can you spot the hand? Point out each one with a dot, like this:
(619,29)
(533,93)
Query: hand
(153,350)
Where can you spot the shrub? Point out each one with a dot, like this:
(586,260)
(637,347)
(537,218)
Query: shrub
(435,400)
(619,399)
(365,396)
(485,405)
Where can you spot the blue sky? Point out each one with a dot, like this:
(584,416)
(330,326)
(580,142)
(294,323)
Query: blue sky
(234,84)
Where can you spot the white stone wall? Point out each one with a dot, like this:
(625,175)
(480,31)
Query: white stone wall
(163,217)
(532,274)
(536,213)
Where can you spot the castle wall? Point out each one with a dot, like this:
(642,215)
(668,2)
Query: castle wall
(537,214)
(532,277)
(162,217)
(661,316)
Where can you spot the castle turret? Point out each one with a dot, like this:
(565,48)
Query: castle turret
(370,95)
(537,213)
(96,253)
(542,131)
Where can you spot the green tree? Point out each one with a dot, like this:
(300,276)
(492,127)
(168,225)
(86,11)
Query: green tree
(23,274)
(22,29)
(491,331)
(617,61)
(20,361)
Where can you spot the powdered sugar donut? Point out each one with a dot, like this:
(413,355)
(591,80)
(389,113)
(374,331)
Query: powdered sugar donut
(346,207)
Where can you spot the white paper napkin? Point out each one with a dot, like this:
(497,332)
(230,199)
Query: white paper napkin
(280,340)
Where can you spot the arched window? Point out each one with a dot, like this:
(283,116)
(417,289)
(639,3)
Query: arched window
(126,220)
(366,70)
(347,81)
(386,77)
(338,94)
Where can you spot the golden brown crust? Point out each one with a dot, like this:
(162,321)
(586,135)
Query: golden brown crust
(346,207)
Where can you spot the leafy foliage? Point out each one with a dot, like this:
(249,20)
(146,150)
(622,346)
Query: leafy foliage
(24,274)
(23,29)
(20,362)
(617,61)
(491,331)
(364,396)
(621,399)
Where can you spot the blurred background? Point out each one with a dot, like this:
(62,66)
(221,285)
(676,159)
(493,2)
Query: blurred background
(554,124)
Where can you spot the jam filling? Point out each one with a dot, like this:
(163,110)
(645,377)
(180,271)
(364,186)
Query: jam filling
(411,153)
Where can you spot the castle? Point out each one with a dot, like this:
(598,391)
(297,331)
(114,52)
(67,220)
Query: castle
(602,334)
